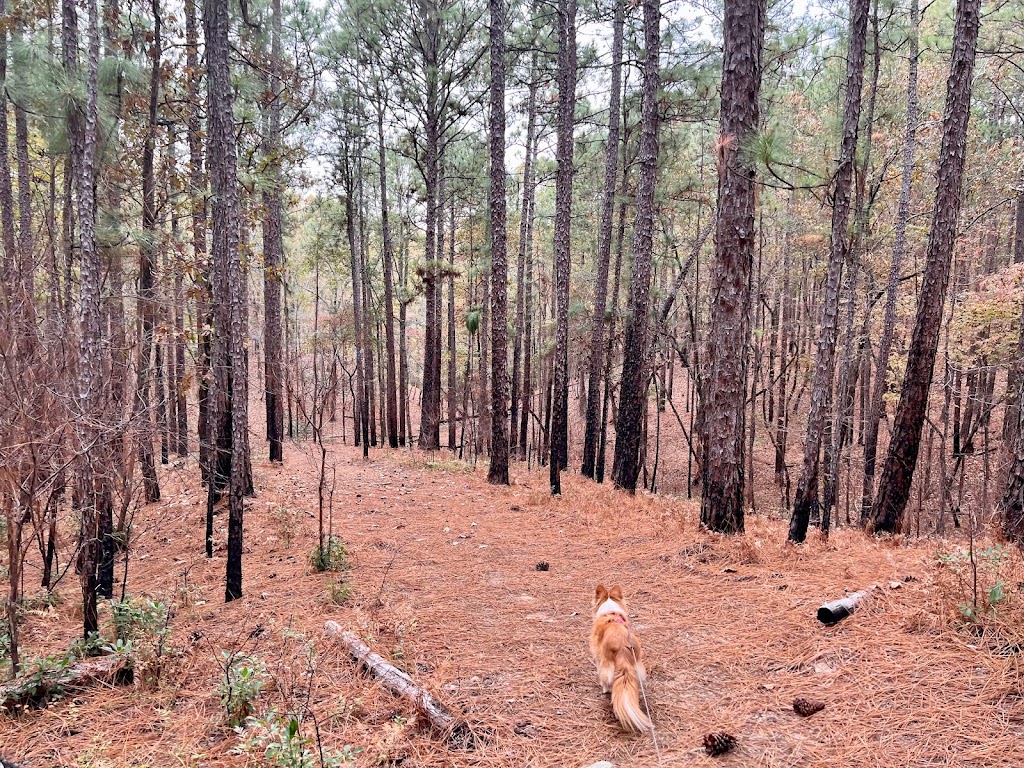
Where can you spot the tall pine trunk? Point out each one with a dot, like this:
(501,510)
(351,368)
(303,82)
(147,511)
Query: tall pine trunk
(874,414)
(566,78)
(524,227)
(723,387)
(85,129)
(633,386)
(898,470)
(388,253)
(592,428)
(273,252)
(231,380)
(497,472)
(806,498)
(147,266)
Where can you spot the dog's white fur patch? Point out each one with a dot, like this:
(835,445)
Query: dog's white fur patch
(609,606)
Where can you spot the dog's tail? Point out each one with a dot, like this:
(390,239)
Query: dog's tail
(626,693)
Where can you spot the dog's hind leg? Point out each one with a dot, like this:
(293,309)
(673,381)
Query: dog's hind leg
(606,675)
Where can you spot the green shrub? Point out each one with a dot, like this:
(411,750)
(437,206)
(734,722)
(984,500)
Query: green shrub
(331,556)
(976,579)
(243,680)
(340,591)
(284,745)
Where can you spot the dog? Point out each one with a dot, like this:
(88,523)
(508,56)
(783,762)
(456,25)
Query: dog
(616,651)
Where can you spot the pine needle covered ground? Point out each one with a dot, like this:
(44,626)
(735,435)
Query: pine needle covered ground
(444,582)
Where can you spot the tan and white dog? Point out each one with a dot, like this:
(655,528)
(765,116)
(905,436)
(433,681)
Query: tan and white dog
(616,650)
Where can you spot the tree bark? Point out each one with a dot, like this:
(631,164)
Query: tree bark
(497,473)
(566,78)
(229,284)
(147,266)
(389,287)
(634,383)
(85,130)
(806,498)
(452,389)
(898,471)
(360,404)
(723,387)
(273,251)
(526,212)
(592,428)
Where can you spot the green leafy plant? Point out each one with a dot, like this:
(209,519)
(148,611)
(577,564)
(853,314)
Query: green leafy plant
(284,745)
(976,579)
(244,677)
(331,556)
(141,630)
(339,591)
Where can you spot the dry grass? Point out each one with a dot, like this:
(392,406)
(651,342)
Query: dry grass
(444,582)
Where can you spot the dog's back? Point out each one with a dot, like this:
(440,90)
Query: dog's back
(616,649)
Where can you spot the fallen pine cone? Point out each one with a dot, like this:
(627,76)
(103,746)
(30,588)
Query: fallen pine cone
(719,743)
(807,707)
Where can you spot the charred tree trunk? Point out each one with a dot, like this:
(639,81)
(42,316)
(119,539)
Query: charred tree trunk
(391,396)
(898,471)
(273,252)
(231,316)
(592,428)
(517,436)
(204,304)
(806,498)
(147,266)
(566,77)
(633,386)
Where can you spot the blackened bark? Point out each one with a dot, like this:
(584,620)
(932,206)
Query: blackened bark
(452,389)
(231,315)
(391,396)
(806,498)
(620,238)
(430,397)
(633,387)
(147,265)
(592,428)
(526,387)
(526,212)
(361,405)
(898,247)
(723,387)
(197,205)
(497,472)
(273,252)
(566,78)
(898,471)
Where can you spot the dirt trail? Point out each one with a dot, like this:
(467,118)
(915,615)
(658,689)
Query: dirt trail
(445,581)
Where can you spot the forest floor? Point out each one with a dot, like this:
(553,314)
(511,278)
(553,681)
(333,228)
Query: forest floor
(444,581)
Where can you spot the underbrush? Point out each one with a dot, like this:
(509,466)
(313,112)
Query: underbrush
(984,585)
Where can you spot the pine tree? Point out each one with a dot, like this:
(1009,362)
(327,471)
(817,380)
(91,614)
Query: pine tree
(633,387)
(723,388)
(901,459)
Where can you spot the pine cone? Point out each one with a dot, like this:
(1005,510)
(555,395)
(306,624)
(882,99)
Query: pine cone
(719,743)
(807,707)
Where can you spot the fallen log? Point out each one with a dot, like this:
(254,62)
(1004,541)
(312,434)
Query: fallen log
(441,719)
(837,610)
(39,687)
